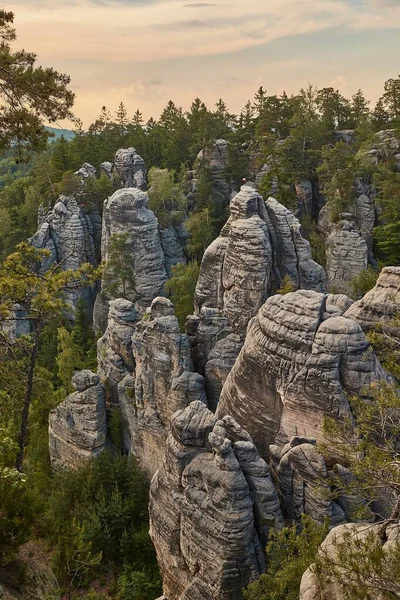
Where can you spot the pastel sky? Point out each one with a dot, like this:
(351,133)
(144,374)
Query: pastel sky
(145,52)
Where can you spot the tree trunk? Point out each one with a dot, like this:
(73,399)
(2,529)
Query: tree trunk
(27,403)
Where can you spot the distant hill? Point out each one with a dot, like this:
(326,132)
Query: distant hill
(67,133)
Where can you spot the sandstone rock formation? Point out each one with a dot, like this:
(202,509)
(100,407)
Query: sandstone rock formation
(311,589)
(381,304)
(211,502)
(69,232)
(346,256)
(114,348)
(77,427)
(163,382)
(216,159)
(306,484)
(300,362)
(129,169)
(260,244)
(127,212)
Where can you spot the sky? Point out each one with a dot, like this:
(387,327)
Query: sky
(146,52)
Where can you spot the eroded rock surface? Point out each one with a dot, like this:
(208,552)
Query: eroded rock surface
(129,169)
(216,159)
(381,304)
(300,362)
(77,427)
(114,348)
(70,233)
(260,244)
(311,589)
(211,502)
(126,212)
(163,382)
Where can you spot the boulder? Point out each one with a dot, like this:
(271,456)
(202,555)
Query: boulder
(77,427)
(129,169)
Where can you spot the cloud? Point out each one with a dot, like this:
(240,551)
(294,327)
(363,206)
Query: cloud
(101,43)
(199,5)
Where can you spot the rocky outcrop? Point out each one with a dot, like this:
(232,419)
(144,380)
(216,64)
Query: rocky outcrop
(69,233)
(346,256)
(332,588)
(129,169)
(163,382)
(300,362)
(77,427)
(216,160)
(114,348)
(380,305)
(212,502)
(126,212)
(260,244)
(307,484)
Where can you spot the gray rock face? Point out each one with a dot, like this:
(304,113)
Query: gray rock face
(173,241)
(260,244)
(381,304)
(70,234)
(349,242)
(126,212)
(129,168)
(304,194)
(162,383)
(310,589)
(114,348)
(305,483)
(346,256)
(212,502)
(300,362)
(216,158)
(77,427)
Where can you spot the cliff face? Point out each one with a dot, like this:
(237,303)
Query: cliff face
(163,382)
(301,361)
(260,244)
(71,234)
(126,212)
(209,532)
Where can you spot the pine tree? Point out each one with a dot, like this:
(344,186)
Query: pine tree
(28,95)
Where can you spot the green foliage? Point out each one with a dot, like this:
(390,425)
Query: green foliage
(28,94)
(287,286)
(337,173)
(387,234)
(106,501)
(386,345)
(138,585)
(368,444)
(166,198)
(15,515)
(180,288)
(69,358)
(290,551)
(119,276)
(361,566)
(364,282)
(200,228)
